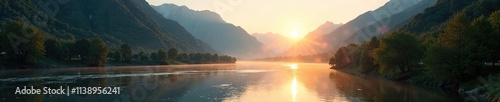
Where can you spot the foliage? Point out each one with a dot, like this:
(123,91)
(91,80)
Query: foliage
(366,58)
(172,53)
(53,48)
(24,41)
(154,56)
(97,53)
(460,52)
(162,56)
(118,56)
(398,50)
(493,45)
(126,51)
(331,62)
(82,48)
(342,58)
(143,56)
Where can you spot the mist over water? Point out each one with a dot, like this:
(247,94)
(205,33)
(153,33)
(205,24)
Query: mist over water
(244,81)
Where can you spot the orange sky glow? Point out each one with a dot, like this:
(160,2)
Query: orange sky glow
(285,17)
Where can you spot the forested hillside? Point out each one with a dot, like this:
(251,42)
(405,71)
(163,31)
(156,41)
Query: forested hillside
(453,45)
(122,21)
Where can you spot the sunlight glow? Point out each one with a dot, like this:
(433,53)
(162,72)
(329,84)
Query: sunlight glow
(293,66)
(294,88)
(295,35)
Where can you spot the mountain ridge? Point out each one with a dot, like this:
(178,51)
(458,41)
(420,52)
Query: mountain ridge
(276,42)
(209,27)
(118,22)
(360,29)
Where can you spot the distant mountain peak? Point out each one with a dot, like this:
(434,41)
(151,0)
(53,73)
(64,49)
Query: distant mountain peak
(209,27)
(330,26)
(172,10)
(360,29)
(276,42)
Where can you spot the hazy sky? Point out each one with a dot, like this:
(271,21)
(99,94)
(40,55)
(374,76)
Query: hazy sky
(281,16)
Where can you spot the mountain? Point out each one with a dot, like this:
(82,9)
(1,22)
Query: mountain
(275,42)
(432,18)
(312,38)
(132,22)
(391,16)
(211,28)
(323,29)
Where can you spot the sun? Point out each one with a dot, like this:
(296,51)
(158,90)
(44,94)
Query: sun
(294,35)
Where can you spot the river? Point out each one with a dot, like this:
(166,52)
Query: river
(243,81)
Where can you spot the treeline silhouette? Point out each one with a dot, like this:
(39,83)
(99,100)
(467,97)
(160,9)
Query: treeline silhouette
(27,46)
(454,55)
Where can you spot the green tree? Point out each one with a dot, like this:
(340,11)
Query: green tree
(332,62)
(66,50)
(458,54)
(53,48)
(143,56)
(484,35)
(172,53)
(341,58)
(456,30)
(24,41)
(162,56)
(97,53)
(398,50)
(81,48)
(450,63)
(207,58)
(154,56)
(198,57)
(126,51)
(216,58)
(495,47)
(181,57)
(118,56)
(367,59)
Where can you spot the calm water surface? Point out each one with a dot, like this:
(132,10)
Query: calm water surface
(244,81)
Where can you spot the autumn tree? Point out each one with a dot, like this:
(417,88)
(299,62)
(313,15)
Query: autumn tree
(97,53)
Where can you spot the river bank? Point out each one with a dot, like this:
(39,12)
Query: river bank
(56,63)
(483,88)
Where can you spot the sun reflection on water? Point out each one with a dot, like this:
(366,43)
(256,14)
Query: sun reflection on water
(294,88)
(293,66)
(294,81)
